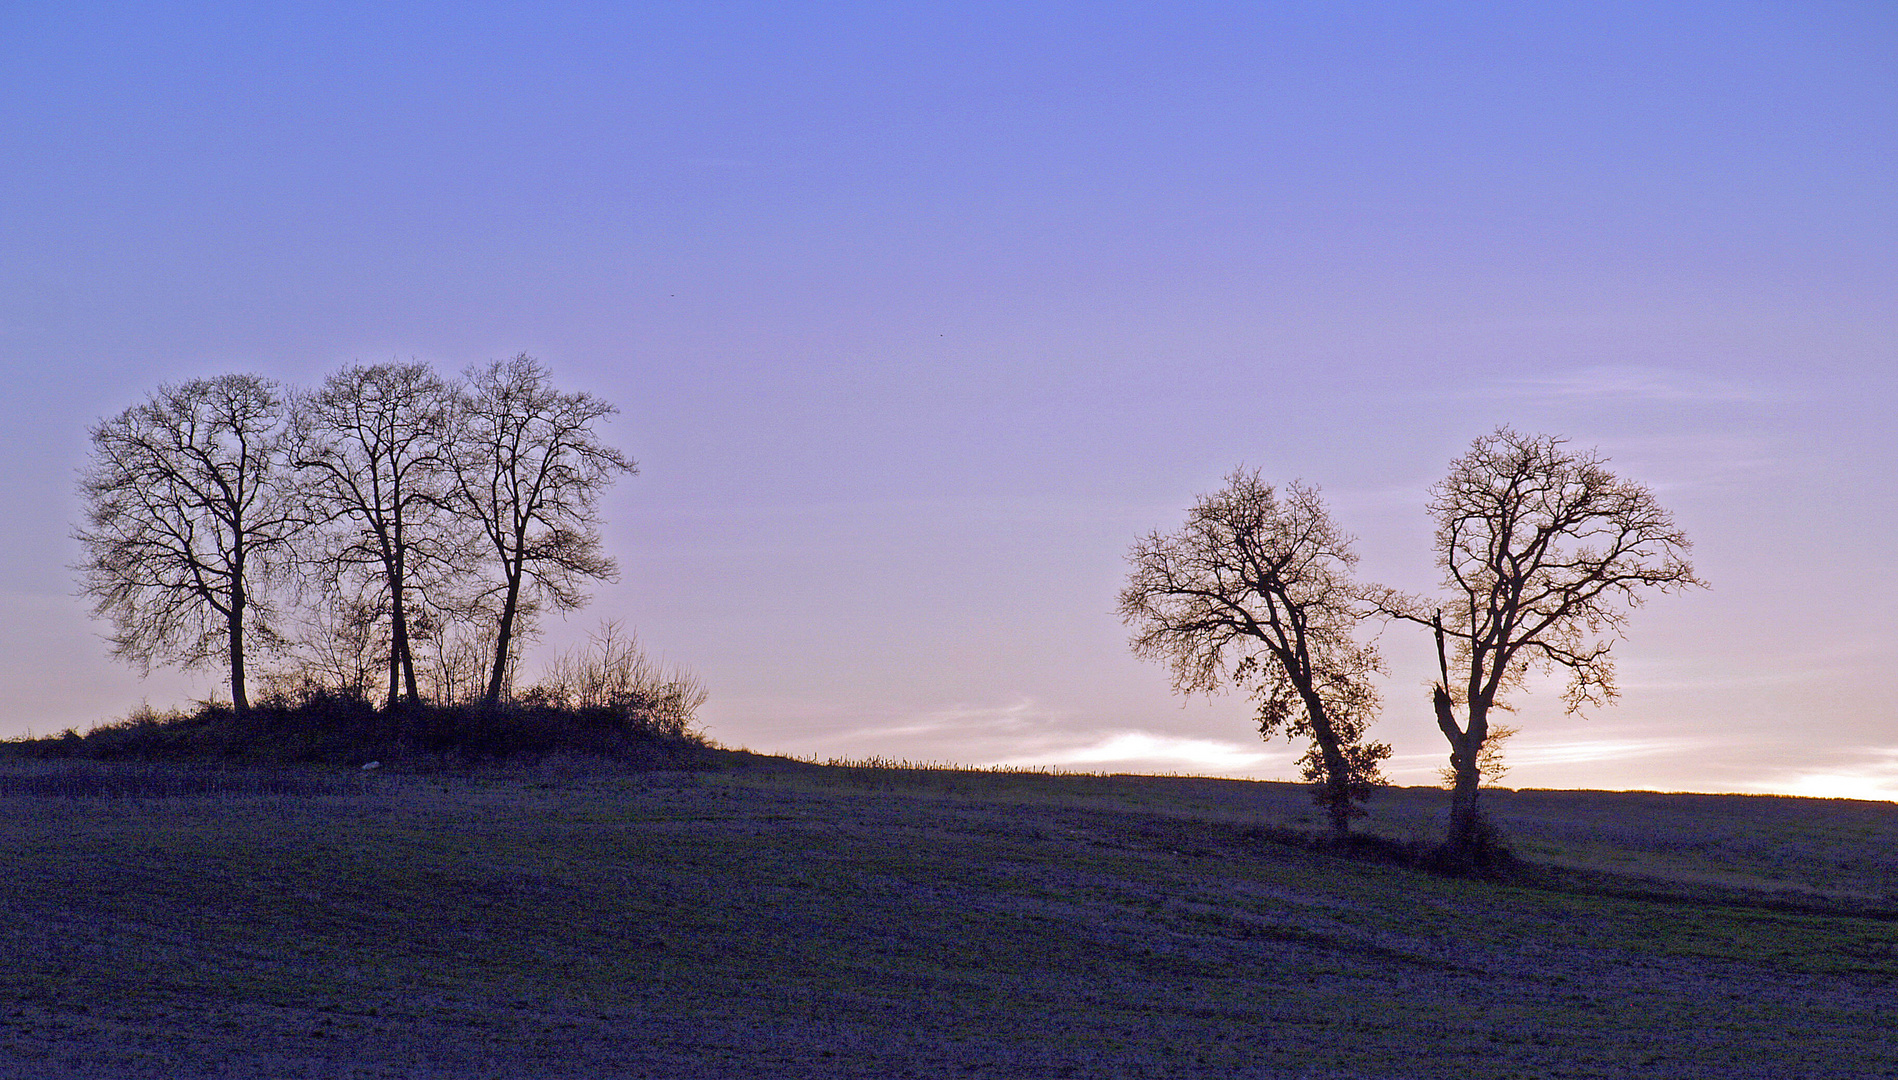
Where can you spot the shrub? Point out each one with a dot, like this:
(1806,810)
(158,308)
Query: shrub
(611,676)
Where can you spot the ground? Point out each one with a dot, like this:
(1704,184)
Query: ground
(781,921)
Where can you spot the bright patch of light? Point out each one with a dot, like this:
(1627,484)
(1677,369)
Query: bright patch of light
(1874,778)
(1207,755)
(1846,786)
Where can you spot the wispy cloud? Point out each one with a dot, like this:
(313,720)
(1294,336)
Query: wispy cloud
(1627,384)
(1787,673)
(1022,715)
(1538,764)
(1592,750)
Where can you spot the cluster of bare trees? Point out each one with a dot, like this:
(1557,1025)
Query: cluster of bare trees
(1543,553)
(388,526)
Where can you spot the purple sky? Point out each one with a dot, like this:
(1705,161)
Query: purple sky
(917,319)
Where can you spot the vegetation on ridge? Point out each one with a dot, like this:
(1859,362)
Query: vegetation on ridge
(604,699)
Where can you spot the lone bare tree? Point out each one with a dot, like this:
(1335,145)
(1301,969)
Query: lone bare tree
(529,470)
(1543,552)
(1255,590)
(372,459)
(186,517)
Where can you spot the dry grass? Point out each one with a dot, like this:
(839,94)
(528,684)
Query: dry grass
(803,921)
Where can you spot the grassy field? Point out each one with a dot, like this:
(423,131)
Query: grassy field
(781,920)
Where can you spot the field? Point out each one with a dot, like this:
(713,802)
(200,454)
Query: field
(784,920)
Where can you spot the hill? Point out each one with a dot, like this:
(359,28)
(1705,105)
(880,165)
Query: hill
(789,920)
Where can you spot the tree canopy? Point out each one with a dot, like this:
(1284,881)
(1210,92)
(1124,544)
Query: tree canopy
(1254,590)
(1544,552)
(186,517)
(528,471)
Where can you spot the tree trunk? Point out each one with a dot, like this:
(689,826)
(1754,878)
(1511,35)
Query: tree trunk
(240,702)
(1464,813)
(401,656)
(401,659)
(1336,786)
(410,687)
(395,679)
(504,638)
(398,643)
(1466,746)
(401,662)
(1338,781)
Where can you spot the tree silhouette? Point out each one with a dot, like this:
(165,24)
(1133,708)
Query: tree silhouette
(1255,590)
(529,470)
(1543,552)
(185,520)
(371,452)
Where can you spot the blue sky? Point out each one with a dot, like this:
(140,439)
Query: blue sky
(918,315)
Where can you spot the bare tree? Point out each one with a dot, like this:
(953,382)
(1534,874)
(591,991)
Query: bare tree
(1543,552)
(372,457)
(185,519)
(341,648)
(456,663)
(1255,590)
(611,671)
(529,470)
